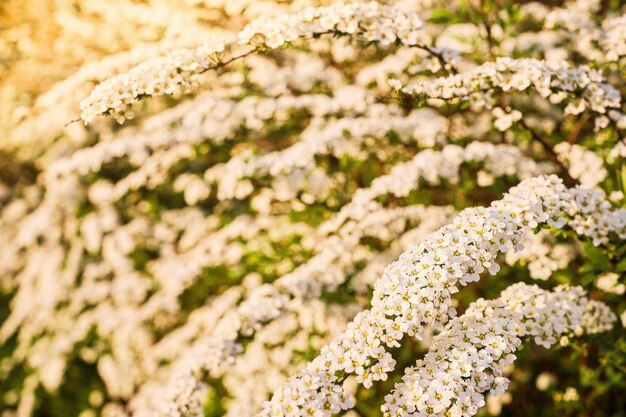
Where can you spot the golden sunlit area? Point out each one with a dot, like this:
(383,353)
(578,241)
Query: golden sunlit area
(395,208)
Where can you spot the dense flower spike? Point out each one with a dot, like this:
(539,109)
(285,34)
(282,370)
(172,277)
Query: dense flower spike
(468,358)
(584,87)
(175,73)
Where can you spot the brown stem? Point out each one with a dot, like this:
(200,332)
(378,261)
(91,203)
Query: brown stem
(567,178)
(620,137)
(461,96)
(490,41)
(578,128)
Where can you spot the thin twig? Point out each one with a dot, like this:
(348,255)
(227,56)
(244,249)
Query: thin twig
(438,55)
(221,64)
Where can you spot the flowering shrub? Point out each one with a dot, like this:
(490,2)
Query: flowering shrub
(269,208)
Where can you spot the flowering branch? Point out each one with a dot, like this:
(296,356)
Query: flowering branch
(179,71)
(416,290)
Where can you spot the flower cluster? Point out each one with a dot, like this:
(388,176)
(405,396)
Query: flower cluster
(553,80)
(599,41)
(592,216)
(583,165)
(613,37)
(609,282)
(542,255)
(369,21)
(505,119)
(470,355)
(174,73)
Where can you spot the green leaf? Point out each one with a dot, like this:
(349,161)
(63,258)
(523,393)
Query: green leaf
(587,279)
(597,257)
(621,266)
(442,16)
(586,269)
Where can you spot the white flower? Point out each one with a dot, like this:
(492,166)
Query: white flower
(608,282)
